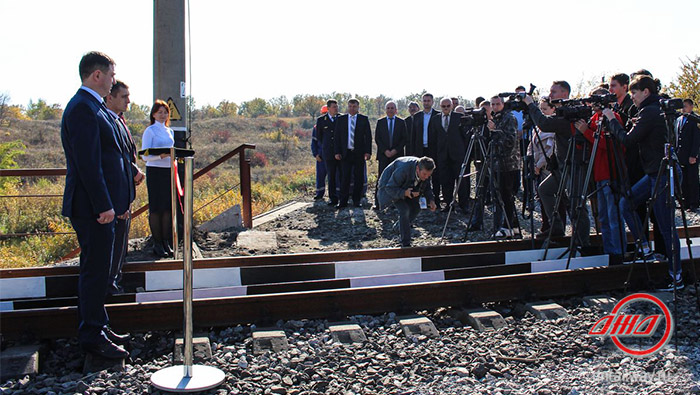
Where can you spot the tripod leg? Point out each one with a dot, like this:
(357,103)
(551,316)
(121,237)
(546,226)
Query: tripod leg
(688,242)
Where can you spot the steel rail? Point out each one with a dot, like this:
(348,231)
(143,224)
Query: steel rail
(313,257)
(331,304)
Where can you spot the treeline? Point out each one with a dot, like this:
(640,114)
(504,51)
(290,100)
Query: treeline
(302,105)
(686,84)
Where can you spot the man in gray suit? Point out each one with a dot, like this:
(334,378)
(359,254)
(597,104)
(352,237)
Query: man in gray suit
(405,184)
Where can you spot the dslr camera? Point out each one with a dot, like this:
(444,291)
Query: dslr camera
(572,109)
(671,105)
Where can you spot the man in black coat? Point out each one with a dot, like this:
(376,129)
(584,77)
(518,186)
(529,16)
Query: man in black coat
(687,147)
(451,142)
(98,184)
(424,143)
(390,136)
(413,109)
(325,126)
(353,146)
(117,102)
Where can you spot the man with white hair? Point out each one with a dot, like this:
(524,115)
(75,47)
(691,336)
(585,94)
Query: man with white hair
(451,142)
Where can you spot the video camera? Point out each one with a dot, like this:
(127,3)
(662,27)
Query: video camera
(473,117)
(600,100)
(572,109)
(671,105)
(515,100)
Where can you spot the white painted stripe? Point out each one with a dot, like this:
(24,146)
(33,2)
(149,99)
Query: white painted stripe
(695,248)
(7,306)
(201,278)
(22,287)
(204,293)
(527,256)
(576,263)
(377,267)
(395,279)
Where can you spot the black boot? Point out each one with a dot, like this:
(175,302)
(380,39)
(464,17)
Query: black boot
(155,222)
(167,229)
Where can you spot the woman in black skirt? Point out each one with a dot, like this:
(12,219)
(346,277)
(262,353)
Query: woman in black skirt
(159,135)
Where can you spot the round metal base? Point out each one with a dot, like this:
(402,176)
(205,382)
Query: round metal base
(172,379)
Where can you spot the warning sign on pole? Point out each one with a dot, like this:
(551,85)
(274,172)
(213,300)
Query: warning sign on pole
(174,112)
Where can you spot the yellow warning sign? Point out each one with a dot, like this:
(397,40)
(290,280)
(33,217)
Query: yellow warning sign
(174,112)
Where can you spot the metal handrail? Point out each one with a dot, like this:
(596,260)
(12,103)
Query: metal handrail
(245,183)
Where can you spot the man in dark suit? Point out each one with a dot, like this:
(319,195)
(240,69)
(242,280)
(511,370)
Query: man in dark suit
(451,141)
(423,142)
(325,126)
(404,183)
(390,136)
(117,102)
(687,146)
(353,147)
(413,108)
(98,182)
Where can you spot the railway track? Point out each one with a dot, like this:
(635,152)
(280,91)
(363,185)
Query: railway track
(39,302)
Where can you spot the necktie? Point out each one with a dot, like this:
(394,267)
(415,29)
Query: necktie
(128,133)
(391,131)
(351,137)
(445,121)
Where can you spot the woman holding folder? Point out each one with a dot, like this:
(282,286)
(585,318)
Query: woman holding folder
(159,135)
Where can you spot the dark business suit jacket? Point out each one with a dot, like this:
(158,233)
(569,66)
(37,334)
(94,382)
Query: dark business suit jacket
(129,148)
(418,135)
(381,137)
(688,137)
(409,135)
(451,143)
(363,136)
(324,131)
(399,176)
(97,176)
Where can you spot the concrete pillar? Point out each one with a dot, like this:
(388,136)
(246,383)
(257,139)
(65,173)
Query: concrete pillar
(169,61)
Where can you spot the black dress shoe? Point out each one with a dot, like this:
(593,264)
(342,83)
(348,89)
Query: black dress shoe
(318,197)
(105,349)
(341,206)
(121,340)
(158,250)
(333,203)
(357,204)
(474,227)
(167,248)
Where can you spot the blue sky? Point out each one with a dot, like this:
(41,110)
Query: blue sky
(247,49)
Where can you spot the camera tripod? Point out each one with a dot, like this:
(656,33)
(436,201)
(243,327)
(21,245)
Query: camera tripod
(560,176)
(477,142)
(529,186)
(617,182)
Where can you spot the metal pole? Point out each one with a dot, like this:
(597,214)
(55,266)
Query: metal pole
(187,272)
(187,377)
(173,201)
(244,165)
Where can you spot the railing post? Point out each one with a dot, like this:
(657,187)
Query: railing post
(174,201)
(245,190)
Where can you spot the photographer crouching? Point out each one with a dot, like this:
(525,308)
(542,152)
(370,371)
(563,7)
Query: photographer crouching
(504,138)
(650,132)
(405,184)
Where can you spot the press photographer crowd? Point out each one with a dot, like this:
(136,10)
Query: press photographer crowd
(628,150)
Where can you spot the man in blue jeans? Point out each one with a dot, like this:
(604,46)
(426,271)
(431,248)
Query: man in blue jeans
(650,133)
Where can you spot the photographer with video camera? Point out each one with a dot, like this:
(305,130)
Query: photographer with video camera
(563,130)
(606,177)
(650,132)
(503,130)
(477,214)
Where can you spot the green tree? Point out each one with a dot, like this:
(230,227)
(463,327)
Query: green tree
(137,112)
(281,106)
(254,108)
(42,111)
(8,152)
(307,105)
(686,85)
(227,109)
